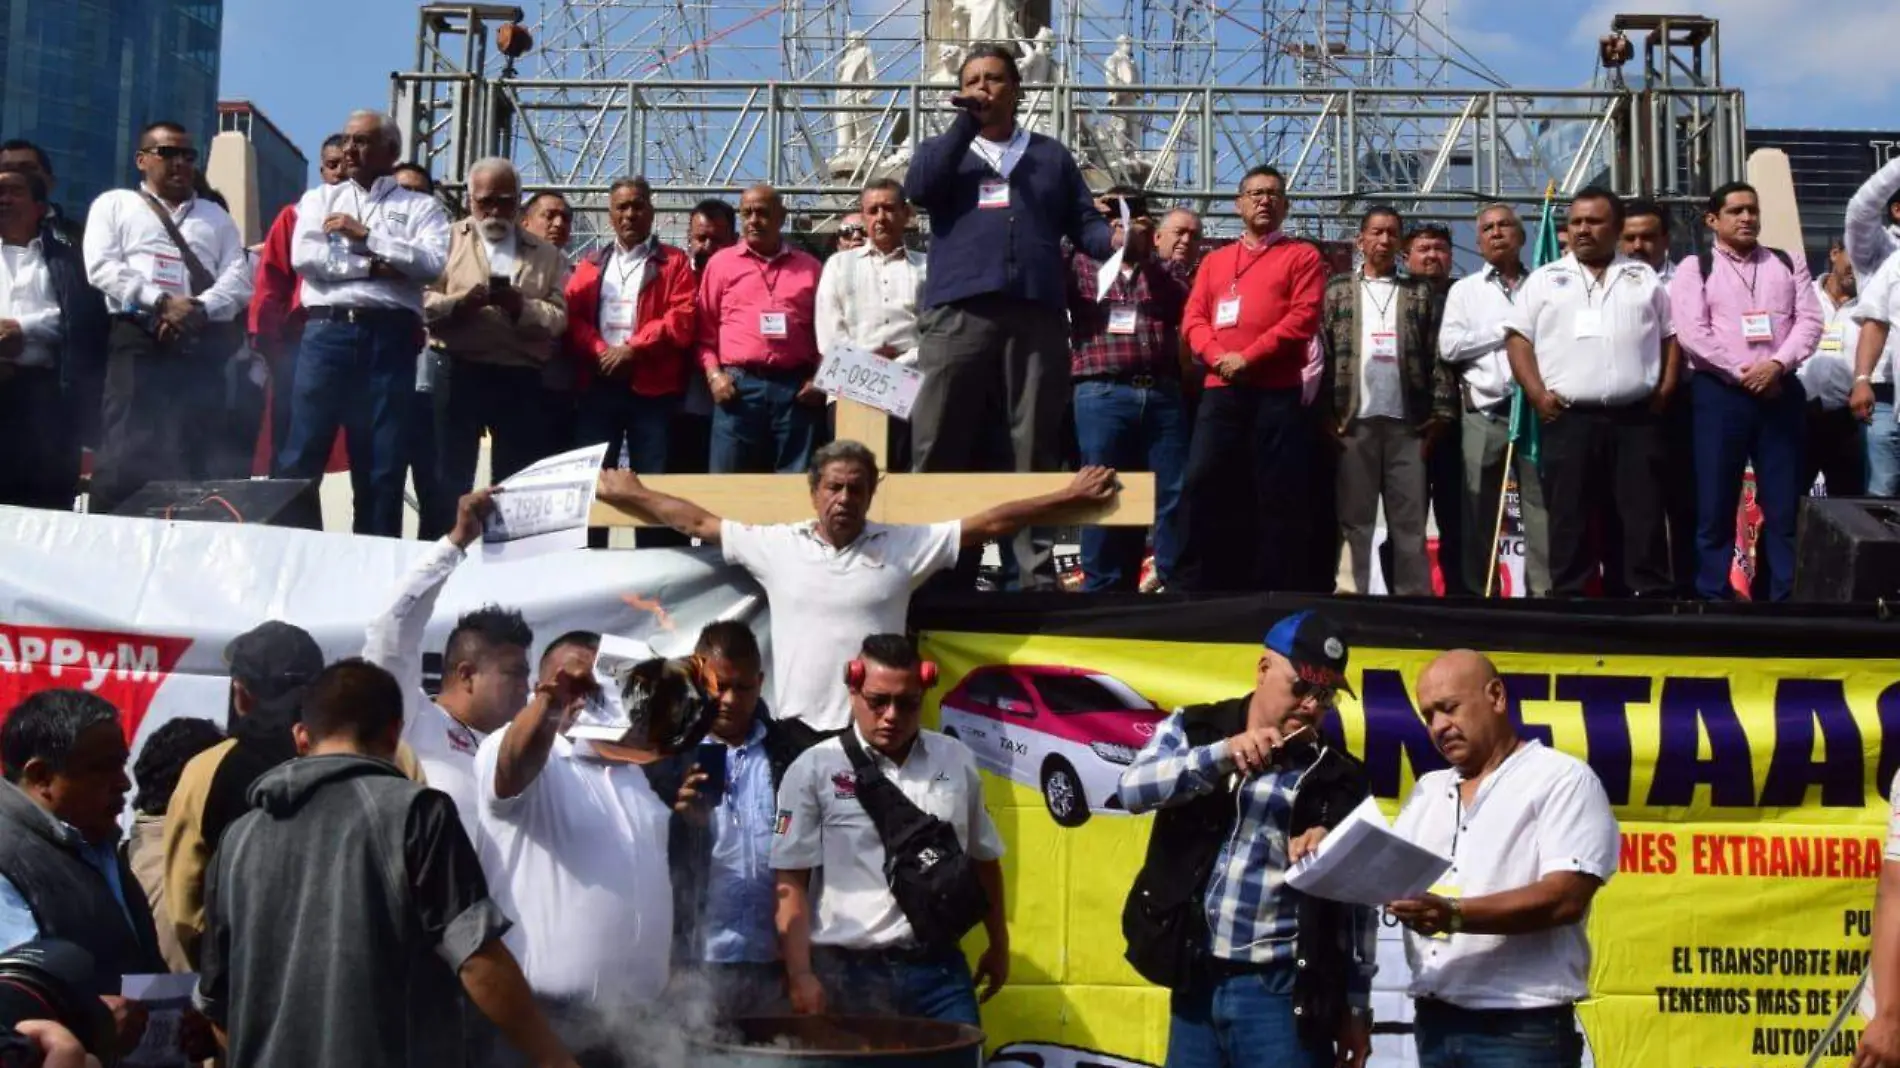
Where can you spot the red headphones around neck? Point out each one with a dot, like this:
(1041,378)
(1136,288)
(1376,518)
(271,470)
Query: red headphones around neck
(854,673)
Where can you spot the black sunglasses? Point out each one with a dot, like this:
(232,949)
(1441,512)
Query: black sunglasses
(173,153)
(1324,695)
(851,231)
(881,701)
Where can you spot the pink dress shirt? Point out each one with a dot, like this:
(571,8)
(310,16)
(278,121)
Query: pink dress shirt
(1708,315)
(738,286)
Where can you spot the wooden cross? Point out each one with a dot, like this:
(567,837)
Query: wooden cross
(901,498)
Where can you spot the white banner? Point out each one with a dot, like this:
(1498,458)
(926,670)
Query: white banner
(139,610)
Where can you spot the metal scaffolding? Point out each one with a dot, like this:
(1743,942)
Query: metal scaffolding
(1356,100)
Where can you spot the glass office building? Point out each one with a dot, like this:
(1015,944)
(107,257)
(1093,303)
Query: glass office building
(81,78)
(1828,166)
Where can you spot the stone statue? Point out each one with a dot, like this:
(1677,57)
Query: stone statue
(1038,64)
(858,68)
(1119,70)
(994,21)
(949,64)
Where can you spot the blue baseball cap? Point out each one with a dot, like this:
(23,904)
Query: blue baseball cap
(1316,646)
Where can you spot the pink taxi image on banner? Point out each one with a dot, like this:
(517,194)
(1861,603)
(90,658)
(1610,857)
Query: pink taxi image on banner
(1067,732)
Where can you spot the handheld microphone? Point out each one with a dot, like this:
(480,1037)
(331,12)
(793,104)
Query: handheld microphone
(967,103)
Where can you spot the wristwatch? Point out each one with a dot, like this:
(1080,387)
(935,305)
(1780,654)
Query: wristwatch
(1869,379)
(1456,921)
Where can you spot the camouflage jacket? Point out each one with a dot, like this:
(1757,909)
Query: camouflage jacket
(1430,388)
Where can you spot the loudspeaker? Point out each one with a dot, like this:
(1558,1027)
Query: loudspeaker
(274,502)
(1847,549)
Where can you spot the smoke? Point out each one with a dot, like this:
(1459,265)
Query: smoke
(671,1032)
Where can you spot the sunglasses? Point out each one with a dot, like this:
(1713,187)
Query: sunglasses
(172,153)
(881,701)
(851,231)
(1324,696)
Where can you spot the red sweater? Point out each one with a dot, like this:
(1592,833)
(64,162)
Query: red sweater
(1280,292)
(662,342)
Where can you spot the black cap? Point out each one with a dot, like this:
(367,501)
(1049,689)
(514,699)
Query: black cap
(274,660)
(1316,646)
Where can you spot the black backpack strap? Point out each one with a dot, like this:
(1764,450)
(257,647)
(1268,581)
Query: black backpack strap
(890,811)
(1706,260)
(1786,260)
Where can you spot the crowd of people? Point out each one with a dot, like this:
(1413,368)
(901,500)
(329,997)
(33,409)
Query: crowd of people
(1288,417)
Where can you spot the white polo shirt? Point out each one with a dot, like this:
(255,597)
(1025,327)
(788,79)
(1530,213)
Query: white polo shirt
(826,601)
(822,826)
(578,860)
(1879,301)
(1597,342)
(1539,813)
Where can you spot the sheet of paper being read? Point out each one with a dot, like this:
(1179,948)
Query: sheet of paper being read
(543,507)
(165,997)
(1362,862)
(1105,274)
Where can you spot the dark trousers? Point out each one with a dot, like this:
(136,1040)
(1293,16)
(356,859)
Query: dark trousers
(637,430)
(39,440)
(1132,428)
(1445,483)
(989,362)
(764,428)
(435,503)
(1733,427)
(360,376)
(1451,1037)
(1836,449)
(689,452)
(1604,469)
(922,984)
(487,397)
(1245,494)
(165,417)
(1680,487)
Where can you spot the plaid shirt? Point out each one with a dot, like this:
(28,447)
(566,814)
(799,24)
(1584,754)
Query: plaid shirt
(1251,915)
(1157,290)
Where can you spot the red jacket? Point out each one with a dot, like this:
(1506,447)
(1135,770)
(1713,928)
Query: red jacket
(276,310)
(662,343)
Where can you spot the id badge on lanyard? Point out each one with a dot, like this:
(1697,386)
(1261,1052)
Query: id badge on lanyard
(1122,319)
(1227,312)
(1758,326)
(168,274)
(772,325)
(993,193)
(616,319)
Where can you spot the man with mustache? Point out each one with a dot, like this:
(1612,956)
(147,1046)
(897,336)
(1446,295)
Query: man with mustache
(1498,951)
(1747,317)
(497,311)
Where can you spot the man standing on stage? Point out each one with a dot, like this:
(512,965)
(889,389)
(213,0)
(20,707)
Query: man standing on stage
(1499,951)
(993,339)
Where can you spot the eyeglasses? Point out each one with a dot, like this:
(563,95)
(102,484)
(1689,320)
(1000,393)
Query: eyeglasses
(1262,194)
(905,703)
(172,153)
(851,231)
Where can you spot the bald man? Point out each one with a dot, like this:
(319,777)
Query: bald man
(1498,950)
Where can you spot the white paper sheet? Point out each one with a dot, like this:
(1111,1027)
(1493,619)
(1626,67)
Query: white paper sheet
(1105,274)
(1362,862)
(543,507)
(166,998)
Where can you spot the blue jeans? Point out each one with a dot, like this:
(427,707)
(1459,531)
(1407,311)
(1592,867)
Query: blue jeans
(1732,426)
(870,983)
(634,427)
(1132,429)
(1883,453)
(361,376)
(764,428)
(1239,1021)
(1451,1037)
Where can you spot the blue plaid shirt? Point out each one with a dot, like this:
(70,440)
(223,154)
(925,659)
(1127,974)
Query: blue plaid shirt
(1252,916)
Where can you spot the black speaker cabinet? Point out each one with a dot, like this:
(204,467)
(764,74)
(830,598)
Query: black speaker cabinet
(274,502)
(1847,549)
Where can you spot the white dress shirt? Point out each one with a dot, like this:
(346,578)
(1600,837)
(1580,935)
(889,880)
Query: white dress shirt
(1597,342)
(27,298)
(869,299)
(1381,389)
(1879,302)
(823,828)
(1471,336)
(133,261)
(407,229)
(622,277)
(1541,812)
(1828,375)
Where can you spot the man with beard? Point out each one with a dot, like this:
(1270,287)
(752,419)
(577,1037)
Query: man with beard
(496,313)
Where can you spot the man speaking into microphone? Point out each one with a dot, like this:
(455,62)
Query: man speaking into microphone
(993,338)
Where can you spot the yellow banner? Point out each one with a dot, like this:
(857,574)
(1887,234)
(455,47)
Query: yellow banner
(1749,793)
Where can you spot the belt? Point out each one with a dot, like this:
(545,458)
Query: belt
(331,313)
(1221,968)
(885,954)
(1143,380)
(1564,1012)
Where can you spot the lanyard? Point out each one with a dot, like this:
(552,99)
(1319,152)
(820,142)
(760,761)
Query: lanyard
(1252,258)
(633,264)
(366,216)
(996,161)
(1748,280)
(771,282)
(1589,291)
(1365,286)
